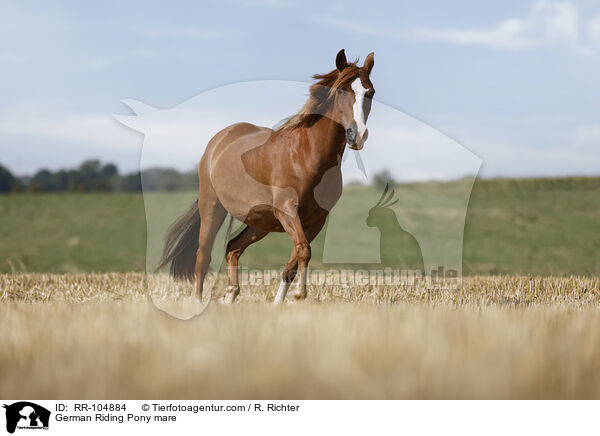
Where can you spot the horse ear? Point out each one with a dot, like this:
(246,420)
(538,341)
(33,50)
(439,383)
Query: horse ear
(369,62)
(340,60)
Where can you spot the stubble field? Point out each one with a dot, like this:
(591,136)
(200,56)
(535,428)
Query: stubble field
(101,336)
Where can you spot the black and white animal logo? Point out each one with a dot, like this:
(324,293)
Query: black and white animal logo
(26,415)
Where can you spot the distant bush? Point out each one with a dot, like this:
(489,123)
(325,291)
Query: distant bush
(6,180)
(383,178)
(168,179)
(538,184)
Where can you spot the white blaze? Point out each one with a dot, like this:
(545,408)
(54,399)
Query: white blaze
(359,98)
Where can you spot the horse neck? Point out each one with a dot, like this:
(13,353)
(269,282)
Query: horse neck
(327,140)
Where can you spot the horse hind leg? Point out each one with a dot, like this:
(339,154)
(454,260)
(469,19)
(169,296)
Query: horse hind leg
(212,214)
(235,248)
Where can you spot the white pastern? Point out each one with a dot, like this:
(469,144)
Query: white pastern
(281,292)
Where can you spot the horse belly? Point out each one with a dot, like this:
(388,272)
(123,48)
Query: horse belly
(263,218)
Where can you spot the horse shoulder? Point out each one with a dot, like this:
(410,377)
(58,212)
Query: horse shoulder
(329,189)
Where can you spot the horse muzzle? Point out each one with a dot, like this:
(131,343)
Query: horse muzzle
(354,140)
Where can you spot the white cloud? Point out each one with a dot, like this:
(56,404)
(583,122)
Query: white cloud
(506,157)
(589,134)
(548,23)
(35,137)
(508,34)
(593,30)
(558,19)
(50,125)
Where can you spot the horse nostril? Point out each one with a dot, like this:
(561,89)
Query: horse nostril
(366,135)
(351,135)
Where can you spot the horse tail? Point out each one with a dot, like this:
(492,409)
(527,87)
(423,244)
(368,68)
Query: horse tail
(181,244)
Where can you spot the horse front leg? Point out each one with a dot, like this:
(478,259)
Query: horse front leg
(287,277)
(293,226)
(291,268)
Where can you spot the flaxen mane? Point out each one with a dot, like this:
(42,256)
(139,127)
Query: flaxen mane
(322,95)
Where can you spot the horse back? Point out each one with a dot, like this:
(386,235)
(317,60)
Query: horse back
(239,133)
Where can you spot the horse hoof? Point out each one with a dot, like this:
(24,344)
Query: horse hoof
(227,299)
(299,297)
(231,292)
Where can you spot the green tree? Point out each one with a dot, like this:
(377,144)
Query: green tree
(42,181)
(7,180)
(383,178)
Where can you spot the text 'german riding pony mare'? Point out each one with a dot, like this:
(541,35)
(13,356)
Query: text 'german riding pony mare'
(274,180)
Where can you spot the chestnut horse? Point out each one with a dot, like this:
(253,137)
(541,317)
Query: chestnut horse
(286,179)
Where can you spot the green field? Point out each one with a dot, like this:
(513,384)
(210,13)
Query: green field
(528,226)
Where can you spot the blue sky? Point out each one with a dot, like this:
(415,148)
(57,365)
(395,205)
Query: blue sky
(515,82)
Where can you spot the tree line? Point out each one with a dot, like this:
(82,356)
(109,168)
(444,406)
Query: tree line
(95,176)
